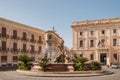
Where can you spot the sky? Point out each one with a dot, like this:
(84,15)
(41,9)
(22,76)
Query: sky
(44,14)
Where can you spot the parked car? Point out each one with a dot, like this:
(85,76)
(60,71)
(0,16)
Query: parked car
(115,65)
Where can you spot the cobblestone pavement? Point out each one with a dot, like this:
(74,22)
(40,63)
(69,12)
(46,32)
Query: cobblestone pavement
(13,75)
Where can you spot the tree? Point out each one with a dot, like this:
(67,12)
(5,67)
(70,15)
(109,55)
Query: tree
(79,64)
(44,63)
(25,62)
(95,65)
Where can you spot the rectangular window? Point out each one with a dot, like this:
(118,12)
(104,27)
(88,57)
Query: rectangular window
(39,38)
(33,58)
(15,58)
(49,37)
(4,32)
(81,33)
(24,36)
(91,43)
(50,44)
(4,45)
(103,32)
(114,31)
(32,48)
(15,46)
(3,58)
(114,42)
(81,43)
(81,55)
(103,42)
(91,57)
(32,37)
(14,33)
(91,32)
(24,48)
(39,49)
(115,56)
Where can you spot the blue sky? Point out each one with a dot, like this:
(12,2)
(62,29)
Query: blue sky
(44,14)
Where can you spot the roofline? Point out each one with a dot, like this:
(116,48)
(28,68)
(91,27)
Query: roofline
(94,22)
(17,23)
(55,34)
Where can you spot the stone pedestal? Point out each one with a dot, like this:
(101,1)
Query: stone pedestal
(36,67)
(70,68)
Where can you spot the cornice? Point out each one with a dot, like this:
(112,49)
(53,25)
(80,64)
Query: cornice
(52,32)
(96,22)
(13,23)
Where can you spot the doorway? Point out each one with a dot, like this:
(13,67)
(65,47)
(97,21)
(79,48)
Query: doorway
(103,58)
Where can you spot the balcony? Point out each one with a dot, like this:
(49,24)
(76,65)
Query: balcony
(33,51)
(24,51)
(15,50)
(24,39)
(4,35)
(15,37)
(38,51)
(33,41)
(4,50)
(40,42)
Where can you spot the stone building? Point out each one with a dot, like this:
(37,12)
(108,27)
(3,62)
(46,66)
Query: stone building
(17,39)
(97,40)
(54,43)
(52,39)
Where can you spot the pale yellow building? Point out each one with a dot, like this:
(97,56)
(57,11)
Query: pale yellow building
(17,39)
(97,40)
(53,39)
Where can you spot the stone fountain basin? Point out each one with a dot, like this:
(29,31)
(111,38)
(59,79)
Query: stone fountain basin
(55,67)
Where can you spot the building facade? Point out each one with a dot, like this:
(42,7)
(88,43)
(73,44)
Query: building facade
(52,39)
(17,39)
(97,40)
(53,42)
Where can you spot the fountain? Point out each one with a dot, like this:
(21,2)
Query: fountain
(60,58)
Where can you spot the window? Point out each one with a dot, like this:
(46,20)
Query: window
(3,32)
(15,46)
(15,59)
(39,49)
(81,33)
(81,55)
(39,38)
(3,45)
(91,57)
(32,37)
(33,58)
(91,32)
(102,40)
(3,58)
(114,31)
(14,33)
(24,47)
(32,48)
(103,32)
(24,35)
(115,56)
(91,43)
(103,43)
(114,42)
(50,44)
(81,43)
(49,37)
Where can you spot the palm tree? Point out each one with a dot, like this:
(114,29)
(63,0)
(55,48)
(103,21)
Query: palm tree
(25,61)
